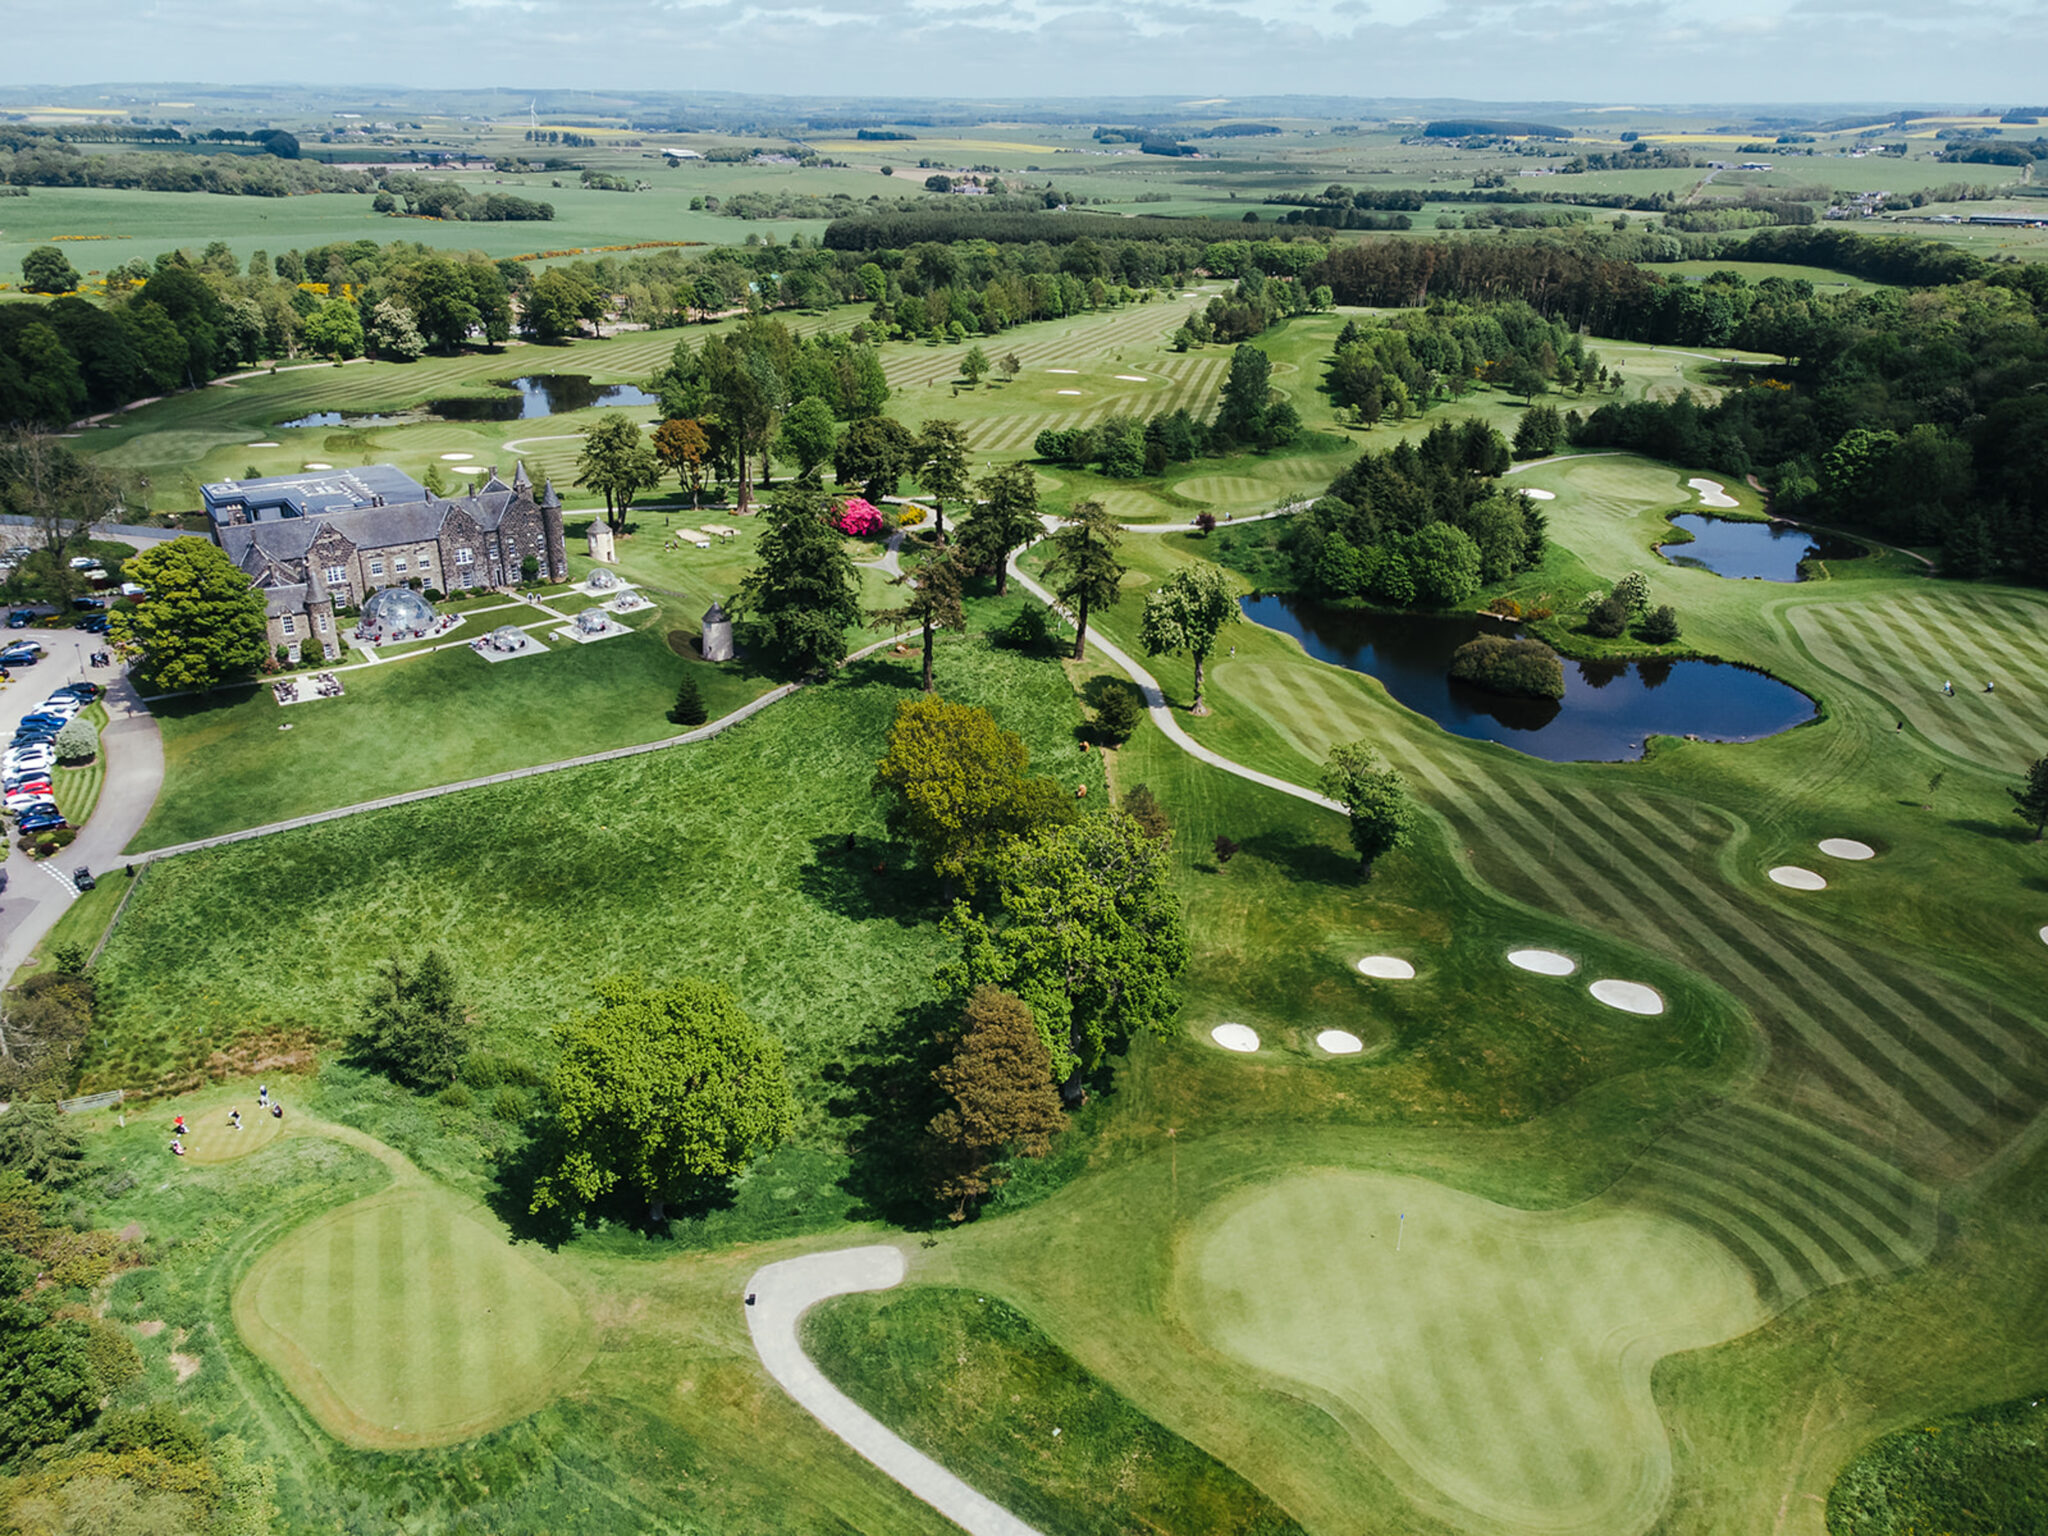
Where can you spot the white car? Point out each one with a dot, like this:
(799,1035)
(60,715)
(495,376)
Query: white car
(64,708)
(30,757)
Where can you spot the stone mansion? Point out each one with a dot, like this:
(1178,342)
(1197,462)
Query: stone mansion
(315,543)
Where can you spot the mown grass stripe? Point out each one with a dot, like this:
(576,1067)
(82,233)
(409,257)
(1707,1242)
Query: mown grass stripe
(1753,1184)
(1777,1282)
(1808,1261)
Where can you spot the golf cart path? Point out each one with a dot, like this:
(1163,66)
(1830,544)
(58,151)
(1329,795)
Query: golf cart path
(781,1294)
(1162,713)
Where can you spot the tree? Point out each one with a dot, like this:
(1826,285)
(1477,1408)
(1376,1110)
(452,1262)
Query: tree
(36,1143)
(659,1095)
(618,461)
(2030,800)
(1375,797)
(1540,431)
(1246,392)
(61,493)
(1088,932)
(413,1027)
(940,461)
(1000,1083)
(1608,618)
(1444,563)
(689,706)
(958,787)
(803,594)
(1186,613)
(974,366)
(809,437)
(934,604)
(78,743)
(1009,367)
(1143,807)
(45,270)
(876,453)
(334,330)
(1660,626)
(1633,590)
(680,444)
(393,333)
(52,1388)
(1005,518)
(204,623)
(1084,569)
(558,303)
(1120,712)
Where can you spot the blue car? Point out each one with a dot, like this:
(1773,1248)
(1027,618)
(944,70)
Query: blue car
(46,821)
(21,618)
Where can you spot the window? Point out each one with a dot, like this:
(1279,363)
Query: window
(376,567)
(337,575)
(425,560)
(289,625)
(398,567)
(465,557)
(323,623)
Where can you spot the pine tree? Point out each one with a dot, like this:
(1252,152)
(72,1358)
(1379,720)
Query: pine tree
(412,1026)
(689,706)
(1003,1099)
(2030,801)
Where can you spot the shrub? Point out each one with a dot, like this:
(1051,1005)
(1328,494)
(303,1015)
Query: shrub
(1206,523)
(434,595)
(1634,592)
(1143,807)
(529,570)
(456,1096)
(1225,848)
(1119,713)
(78,741)
(1661,626)
(1525,667)
(1609,619)
(910,517)
(689,706)
(1506,607)
(1035,630)
(859,518)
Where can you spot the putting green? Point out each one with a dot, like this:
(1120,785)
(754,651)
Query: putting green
(210,1139)
(1503,1356)
(399,1321)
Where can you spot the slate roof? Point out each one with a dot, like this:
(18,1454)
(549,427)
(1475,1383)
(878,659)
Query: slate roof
(254,545)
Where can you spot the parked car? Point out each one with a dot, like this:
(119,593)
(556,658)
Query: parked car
(85,691)
(20,658)
(29,648)
(20,618)
(94,624)
(33,788)
(88,602)
(81,877)
(59,708)
(40,818)
(31,757)
(83,562)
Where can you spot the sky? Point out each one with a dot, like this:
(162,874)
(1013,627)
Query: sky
(1635,52)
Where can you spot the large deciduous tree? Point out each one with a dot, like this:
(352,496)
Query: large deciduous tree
(876,453)
(809,437)
(959,787)
(933,605)
(681,444)
(1084,569)
(999,1082)
(46,270)
(1005,519)
(204,623)
(61,493)
(803,593)
(334,330)
(1088,932)
(659,1095)
(940,458)
(1374,797)
(618,461)
(412,1026)
(1186,613)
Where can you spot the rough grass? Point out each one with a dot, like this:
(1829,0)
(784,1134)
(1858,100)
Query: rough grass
(971,1382)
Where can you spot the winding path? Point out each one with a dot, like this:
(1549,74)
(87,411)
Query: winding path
(779,1295)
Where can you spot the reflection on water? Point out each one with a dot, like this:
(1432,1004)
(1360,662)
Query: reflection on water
(1608,710)
(541,394)
(1752,551)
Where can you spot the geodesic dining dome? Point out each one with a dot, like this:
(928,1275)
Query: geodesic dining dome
(395,610)
(592,621)
(507,637)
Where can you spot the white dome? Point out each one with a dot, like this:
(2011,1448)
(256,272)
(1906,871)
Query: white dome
(396,609)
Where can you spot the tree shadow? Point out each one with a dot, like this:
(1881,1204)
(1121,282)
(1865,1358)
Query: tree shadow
(1997,831)
(883,1096)
(886,670)
(866,877)
(1303,857)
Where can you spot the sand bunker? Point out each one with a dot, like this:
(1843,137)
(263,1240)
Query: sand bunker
(456,457)
(1066,391)
(263,445)
(1540,495)
(1235,1037)
(1339,1042)
(1134,378)
(1628,996)
(1387,968)
(1792,877)
(2044,935)
(1544,962)
(1713,493)
(1846,848)
(317,466)
(1062,370)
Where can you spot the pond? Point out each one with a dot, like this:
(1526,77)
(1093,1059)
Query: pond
(1608,710)
(342,419)
(1753,551)
(541,394)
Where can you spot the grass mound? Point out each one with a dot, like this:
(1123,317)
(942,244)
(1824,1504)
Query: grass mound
(972,1383)
(398,1321)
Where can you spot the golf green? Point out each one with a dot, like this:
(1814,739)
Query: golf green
(1502,1356)
(400,1322)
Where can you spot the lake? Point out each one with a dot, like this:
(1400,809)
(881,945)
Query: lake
(1752,551)
(531,396)
(1608,710)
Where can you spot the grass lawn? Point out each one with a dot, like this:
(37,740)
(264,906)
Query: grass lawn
(78,789)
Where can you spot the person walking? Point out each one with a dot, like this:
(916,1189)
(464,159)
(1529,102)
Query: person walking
(234,1119)
(263,1095)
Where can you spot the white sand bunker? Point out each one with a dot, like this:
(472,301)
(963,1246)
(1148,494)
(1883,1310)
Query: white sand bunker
(1628,996)
(1340,1042)
(1235,1037)
(1792,877)
(1713,493)
(1134,378)
(1062,370)
(2044,935)
(263,445)
(1544,962)
(456,458)
(1387,968)
(318,466)
(1066,391)
(1846,848)
(1540,495)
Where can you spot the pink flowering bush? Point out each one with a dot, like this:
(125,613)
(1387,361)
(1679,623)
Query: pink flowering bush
(859,518)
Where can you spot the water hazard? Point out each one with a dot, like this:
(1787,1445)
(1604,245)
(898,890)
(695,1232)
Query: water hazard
(528,397)
(1753,551)
(1609,708)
